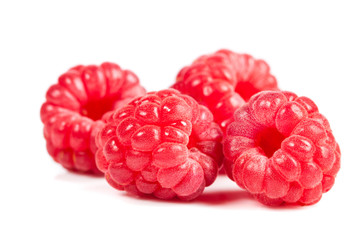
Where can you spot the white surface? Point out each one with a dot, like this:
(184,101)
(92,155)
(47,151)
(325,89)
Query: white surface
(313,50)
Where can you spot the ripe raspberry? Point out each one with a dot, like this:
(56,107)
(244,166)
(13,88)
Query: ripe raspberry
(280,148)
(75,107)
(164,144)
(223,80)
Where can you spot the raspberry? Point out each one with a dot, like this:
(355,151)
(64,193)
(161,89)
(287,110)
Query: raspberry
(223,81)
(281,149)
(75,110)
(164,144)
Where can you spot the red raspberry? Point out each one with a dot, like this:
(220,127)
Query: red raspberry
(223,80)
(75,107)
(163,143)
(280,148)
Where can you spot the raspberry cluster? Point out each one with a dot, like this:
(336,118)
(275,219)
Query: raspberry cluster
(163,143)
(223,81)
(171,143)
(280,148)
(74,108)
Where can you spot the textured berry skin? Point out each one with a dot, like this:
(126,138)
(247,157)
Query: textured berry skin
(281,149)
(223,81)
(163,144)
(75,110)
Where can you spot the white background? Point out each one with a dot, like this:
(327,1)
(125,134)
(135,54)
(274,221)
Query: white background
(312,48)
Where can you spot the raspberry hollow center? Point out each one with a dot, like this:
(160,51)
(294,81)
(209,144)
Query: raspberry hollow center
(95,109)
(269,140)
(245,89)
